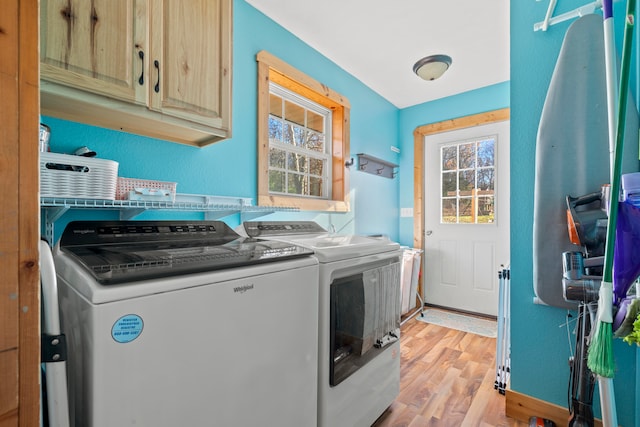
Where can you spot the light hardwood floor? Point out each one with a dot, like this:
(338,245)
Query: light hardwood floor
(447,379)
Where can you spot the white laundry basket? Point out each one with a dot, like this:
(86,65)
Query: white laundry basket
(409,277)
(63,175)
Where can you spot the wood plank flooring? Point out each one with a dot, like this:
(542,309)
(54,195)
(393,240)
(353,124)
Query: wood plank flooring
(447,379)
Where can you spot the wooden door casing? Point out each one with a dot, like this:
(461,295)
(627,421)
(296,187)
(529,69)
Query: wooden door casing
(19,289)
(418,166)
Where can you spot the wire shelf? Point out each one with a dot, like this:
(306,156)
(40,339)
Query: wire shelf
(214,207)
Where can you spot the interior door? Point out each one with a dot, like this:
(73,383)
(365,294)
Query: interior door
(466,214)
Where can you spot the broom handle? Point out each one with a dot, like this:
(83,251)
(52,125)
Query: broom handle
(611,78)
(617,163)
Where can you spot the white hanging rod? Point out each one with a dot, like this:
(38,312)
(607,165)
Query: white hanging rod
(576,13)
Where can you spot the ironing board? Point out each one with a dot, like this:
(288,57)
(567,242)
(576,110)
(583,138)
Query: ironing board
(572,150)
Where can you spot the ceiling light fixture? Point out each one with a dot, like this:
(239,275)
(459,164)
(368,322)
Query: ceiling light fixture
(432,67)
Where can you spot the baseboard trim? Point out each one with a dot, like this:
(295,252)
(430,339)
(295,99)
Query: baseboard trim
(522,407)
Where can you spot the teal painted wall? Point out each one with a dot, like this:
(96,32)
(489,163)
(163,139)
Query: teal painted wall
(539,342)
(228,168)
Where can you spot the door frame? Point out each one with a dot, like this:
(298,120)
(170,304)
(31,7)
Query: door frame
(419,135)
(20,206)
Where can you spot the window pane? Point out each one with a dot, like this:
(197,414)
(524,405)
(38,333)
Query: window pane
(296,184)
(466,214)
(467,182)
(315,142)
(467,155)
(485,210)
(449,184)
(276,158)
(275,129)
(486,179)
(315,187)
(293,113)
(316,166)
(449,158)
(315,121)
(299,134)
(288,133)
(449,211)
(297,162)
(486,153)
(275,105)
(276,181)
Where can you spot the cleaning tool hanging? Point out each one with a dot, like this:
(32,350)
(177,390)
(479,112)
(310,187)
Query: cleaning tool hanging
(600,354)
(601,348)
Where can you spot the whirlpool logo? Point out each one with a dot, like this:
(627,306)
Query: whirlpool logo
(242,289)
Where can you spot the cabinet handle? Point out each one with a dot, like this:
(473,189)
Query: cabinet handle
(141,79)
(156,88)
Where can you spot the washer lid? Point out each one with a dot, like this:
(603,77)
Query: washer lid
(327,247)
(127,251)
(330,248)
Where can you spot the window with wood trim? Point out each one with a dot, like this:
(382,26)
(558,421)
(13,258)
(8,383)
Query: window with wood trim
(303,140)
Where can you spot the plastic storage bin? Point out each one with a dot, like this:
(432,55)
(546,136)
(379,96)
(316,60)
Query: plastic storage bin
(144,189)
(66,176)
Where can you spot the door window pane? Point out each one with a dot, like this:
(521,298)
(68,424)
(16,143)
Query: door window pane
(468,182)
(449,211)
(449,158)
(465,214)
(449,184)
(467,156)
(486,153)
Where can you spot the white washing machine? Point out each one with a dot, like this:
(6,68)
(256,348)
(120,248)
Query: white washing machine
(175,323)
(359,320)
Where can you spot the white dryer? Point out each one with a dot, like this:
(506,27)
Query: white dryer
(176,323)
(359,319)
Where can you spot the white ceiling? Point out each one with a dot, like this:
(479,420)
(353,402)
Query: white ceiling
(378,42)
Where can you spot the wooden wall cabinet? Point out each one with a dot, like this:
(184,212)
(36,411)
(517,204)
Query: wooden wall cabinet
(159,68)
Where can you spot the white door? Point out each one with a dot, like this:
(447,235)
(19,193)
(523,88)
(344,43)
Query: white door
(466,216)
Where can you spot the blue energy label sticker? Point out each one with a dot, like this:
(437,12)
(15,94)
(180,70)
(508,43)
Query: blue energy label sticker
(127,328)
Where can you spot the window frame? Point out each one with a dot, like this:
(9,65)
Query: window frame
(273,69)
(286,96)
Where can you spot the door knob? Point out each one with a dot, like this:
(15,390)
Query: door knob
(428,232)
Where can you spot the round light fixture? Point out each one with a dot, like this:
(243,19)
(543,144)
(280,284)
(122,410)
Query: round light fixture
(432,67)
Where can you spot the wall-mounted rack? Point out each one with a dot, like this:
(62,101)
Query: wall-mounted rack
(549,19)
(376,166)
(214,207)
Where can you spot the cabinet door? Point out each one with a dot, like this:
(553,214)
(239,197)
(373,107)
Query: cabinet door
(98,46)
(191,63)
